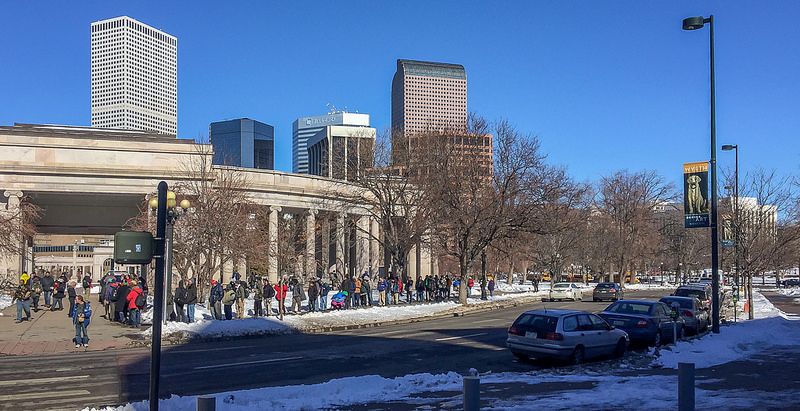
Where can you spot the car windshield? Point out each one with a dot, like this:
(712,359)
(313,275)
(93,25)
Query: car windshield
(683,303)
(537,323)
(605,285)
(629,308)
(689,292)
(557,286)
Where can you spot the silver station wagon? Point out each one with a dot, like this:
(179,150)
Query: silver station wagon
(566,335)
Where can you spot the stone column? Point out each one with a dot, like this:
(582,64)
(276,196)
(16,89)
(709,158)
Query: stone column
(12,265)
(362,245)
(341,251)
(374,245)
(272,258)
(310,260)
(325,237)
(412,263)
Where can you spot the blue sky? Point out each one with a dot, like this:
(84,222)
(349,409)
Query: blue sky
(604,84)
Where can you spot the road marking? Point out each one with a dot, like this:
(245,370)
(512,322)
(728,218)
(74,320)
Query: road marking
(205,367)
(459,337)
(33,395)
(489,320)
(212,349)
(41,380)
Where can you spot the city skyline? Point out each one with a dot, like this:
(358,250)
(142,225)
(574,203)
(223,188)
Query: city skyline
(612,95)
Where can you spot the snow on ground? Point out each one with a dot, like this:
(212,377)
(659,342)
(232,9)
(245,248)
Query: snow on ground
(790,292)
(5,302)
(504,287)
(651,286)
(770,328)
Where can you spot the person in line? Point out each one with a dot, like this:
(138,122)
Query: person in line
(22,296)
(313,294)
(420,290)
(269,294)
(281,289)
(395,287)
(36,291)
(87,286)
(382,292)
(59,288)
(366,290)
(490,287)
(47,288)
(215,299)
(409,289)
(191,299)
(241,294)
(180,299)
(258,298)
(121,304)
(349,285)
(470,284)
(71,293)
(298,296)
(324,289)
(108,303)
(81,315)
(136,302)
(228,299)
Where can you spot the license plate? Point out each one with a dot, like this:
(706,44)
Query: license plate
(619,322)
(529,334)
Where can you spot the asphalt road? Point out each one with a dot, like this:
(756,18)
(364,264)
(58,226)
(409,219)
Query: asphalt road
(120,376)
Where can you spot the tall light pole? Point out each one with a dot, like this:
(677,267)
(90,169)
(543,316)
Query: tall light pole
(695,23)
(173,212)
(735,148)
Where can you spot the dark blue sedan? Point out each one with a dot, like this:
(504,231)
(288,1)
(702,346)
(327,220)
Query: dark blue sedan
(648,322)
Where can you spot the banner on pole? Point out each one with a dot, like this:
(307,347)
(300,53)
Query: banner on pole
(695,195)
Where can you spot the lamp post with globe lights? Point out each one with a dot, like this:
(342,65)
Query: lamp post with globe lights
(175,210)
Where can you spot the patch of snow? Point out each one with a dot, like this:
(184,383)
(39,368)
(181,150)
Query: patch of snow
(5,302)
(789,292)
(770,328)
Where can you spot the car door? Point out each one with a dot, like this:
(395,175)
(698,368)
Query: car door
(606,338)
(572,335)
(589,336)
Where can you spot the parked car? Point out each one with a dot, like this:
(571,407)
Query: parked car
(648,322)
(791,282)
(693,312)
(607,291)
(702,292)
(565,291)
(564,334)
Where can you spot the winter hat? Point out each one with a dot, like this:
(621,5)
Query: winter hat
(213,282)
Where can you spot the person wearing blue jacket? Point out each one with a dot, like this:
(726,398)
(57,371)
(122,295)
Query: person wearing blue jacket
(81,315)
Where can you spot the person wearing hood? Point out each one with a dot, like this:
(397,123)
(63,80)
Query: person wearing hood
(191,299)
(81,314)
(136,302)
(58,295)
(215,299)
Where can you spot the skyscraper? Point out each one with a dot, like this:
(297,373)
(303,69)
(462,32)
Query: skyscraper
(134,76)
(244,143)
(306,127)
(427,96)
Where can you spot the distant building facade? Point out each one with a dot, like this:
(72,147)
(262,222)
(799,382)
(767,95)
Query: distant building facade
(341,152)
(243,143)
(134,82)
(306,127)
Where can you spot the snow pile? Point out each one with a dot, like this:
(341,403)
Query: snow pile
(519,288)
(651,286)
(771,328)
(5,302)
(790,292)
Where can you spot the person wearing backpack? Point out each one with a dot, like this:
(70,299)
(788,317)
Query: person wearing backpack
(121,303)
(136,302)
(409,289)
(215,299)
(180,300)
(269,294)
(281,289)
(381,292)
(47,289)
(324,289)
(87,286)
(313,294)
(59,288)
(81,314)
(71,293)
(22,296)
(191,299)
(36,291)
(241,294)
(228,299)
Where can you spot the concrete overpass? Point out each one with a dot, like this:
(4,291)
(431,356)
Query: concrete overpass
(91,181)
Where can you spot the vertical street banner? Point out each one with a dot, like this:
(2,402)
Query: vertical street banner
(695,195)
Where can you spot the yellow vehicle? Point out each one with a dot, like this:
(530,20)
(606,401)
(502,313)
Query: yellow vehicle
(545,276)
(628,279)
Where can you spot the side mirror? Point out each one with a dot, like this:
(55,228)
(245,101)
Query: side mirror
(611,327)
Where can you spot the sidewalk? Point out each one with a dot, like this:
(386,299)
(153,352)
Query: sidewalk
(52,332)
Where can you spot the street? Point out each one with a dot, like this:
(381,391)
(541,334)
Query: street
(120,376)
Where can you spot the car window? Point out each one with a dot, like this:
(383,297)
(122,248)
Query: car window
(561,286)
(598,323)
(537,323)
(688,292)
(605,285)
(681,302)
(629,308)
(570,323)
(584,323)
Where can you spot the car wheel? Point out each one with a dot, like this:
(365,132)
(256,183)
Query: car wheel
(577,356)
(657,340)
(619,350)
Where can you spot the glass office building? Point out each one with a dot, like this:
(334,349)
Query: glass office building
(243,143)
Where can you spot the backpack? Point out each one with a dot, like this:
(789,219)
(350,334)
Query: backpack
(269,292)
(180,296)
(86,283)
(140,301)
(229,298)
(115,294)
(382,285)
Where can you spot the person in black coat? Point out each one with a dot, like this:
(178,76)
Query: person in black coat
(58,295)
(191,299)
(122,302)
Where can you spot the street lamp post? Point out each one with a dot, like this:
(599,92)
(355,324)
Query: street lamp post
(695,23)
(735,148)
(174,211)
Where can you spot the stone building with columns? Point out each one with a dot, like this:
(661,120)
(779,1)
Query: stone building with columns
(91,181)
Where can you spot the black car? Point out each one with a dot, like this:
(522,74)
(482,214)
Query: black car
(648,322)
(607,291)
(791,282)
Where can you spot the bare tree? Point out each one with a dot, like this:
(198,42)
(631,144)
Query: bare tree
(18,220)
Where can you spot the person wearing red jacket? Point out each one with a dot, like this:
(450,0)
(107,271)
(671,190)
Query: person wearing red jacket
(280,296)
(135,310)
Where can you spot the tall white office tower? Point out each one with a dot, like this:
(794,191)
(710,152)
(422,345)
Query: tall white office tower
(134,76)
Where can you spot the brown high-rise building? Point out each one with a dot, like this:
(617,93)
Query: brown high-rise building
(431,99)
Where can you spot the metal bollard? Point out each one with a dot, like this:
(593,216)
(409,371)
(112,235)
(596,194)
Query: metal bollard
(472,393)
(685,386)
(206,403)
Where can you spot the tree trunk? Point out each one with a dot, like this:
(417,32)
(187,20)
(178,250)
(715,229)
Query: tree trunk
(510,279)
(462,286)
